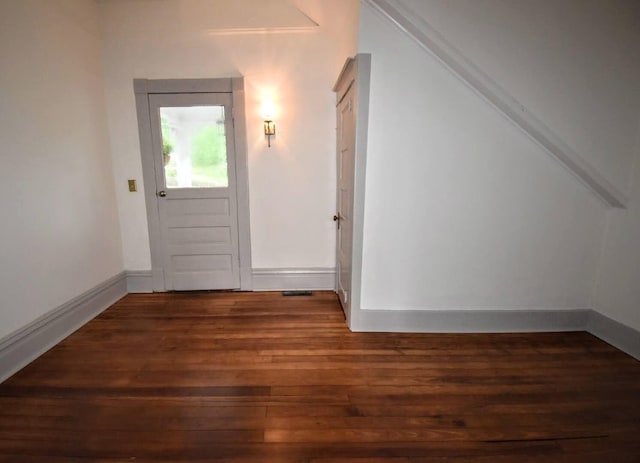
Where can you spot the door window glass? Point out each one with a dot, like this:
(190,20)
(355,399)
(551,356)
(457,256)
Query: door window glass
(194,147)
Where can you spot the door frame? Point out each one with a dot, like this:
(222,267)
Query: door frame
(235,86)
(356,73)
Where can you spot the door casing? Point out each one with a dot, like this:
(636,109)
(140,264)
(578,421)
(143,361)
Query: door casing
(356,75)
(234,86)
(345,153)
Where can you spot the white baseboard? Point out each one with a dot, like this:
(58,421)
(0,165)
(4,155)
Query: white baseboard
(139,281)
(25,345)
(265,279)
(471,320)
(278,279)
(615,333)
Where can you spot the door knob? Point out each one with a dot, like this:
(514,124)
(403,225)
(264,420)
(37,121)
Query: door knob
(162,193)
(336,218)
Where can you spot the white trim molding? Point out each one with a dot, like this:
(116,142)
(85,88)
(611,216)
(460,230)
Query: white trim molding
(615,333)
(357,73)
(28,343)
(265,279)
(278,279)
(139,281)
(433,42)
(473,320)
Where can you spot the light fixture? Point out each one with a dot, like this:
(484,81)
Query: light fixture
(269,130)
(268,111)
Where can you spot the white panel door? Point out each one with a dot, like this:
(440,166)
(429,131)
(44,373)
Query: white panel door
(194,162)
(344,216)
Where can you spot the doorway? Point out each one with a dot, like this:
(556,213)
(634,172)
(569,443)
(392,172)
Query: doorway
(352,109)
(352,114)
(344,196)
(194,157)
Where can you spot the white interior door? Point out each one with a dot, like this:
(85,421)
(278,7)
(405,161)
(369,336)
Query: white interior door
(194,162)
(344,215)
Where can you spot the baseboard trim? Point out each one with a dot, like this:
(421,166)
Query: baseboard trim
(615,333)
(139,281)
(472,320)
(28,343)
(25,345)
(264,279)
(279,279)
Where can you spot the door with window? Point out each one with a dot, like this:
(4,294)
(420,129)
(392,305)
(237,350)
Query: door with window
(196,184)
(193,150)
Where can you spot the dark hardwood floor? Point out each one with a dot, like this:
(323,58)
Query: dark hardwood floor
(257,377)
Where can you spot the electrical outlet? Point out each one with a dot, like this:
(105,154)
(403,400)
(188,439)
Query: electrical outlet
(132,185)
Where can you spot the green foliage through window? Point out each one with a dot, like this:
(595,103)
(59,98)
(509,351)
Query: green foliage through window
(205,165)
(167,139)
(209,157)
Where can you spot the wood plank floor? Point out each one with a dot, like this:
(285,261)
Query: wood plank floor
(257,377)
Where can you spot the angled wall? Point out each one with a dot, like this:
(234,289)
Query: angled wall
(463,210)
(60,235)
(570,63)
(617,288)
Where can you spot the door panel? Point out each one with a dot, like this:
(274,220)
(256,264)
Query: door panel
(345,165)
(200,235)
(194,162)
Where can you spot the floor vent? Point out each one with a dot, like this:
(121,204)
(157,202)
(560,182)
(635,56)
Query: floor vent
(297,293)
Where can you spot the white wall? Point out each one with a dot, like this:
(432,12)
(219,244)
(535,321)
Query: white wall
(572,63)
(59,234)
(292,184)
(617,290)
(462,209)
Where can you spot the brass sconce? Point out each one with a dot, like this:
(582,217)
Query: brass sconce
(269,130)
(268,110)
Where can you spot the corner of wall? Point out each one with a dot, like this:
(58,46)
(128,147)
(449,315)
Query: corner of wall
(31,341)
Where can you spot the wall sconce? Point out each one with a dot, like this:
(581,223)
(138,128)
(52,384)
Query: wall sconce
(269,130)
(268,111)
